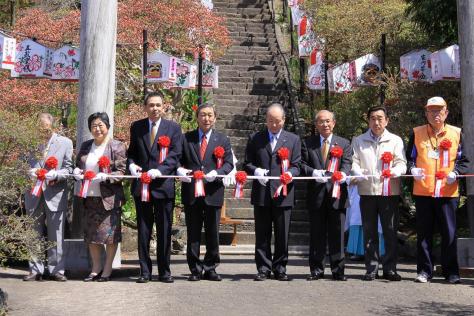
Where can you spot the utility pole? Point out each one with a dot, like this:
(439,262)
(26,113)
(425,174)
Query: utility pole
(12,13)
(466,42)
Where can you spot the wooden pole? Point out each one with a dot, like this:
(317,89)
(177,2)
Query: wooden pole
(326,82)
(145,63)
(199,86)
(383,44)
(12,13)
(466,43)
(97,68)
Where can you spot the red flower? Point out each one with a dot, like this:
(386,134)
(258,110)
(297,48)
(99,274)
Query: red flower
(386,173)
(387,157)
(440,175)
(51,163)
(219,152)
(145,178)
(71,52)
(89,175)
(283,153)
(336,152)
(285,178)
(336,176)
(241,177)
(104,162)
(198,175)
(445,144)
(164,141)
(41,174)
(194,107)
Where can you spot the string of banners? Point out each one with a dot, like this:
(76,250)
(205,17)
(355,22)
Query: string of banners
(416,65)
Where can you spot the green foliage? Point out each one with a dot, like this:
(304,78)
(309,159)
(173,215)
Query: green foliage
(185,108)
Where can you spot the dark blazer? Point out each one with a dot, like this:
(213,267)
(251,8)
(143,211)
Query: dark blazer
(110,190)
(312,159)
(258,154)
(140,153)
(191,160)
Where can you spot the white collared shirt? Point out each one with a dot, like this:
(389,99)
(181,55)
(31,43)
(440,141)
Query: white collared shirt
(151,122)
(322,139)
(208,135)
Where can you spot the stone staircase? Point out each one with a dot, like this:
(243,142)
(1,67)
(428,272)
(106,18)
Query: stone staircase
(251,76)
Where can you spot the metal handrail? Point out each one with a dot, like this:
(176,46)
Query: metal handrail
(289,86)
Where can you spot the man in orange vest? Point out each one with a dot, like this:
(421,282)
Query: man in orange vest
(435,159)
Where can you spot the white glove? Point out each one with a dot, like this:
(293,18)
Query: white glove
(418,173)
(344,177)
(182,173)
(259,172)
(320,174)
(395,173)
(451,178)
(154,173)
(51,175)
(135,170)
(229,179)
(32,173)
(100,177)
(77,174)
(211,176)
(359,173)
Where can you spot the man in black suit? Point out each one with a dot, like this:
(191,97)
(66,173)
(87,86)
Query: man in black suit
(144,156)
(272,202)
(320,154)
(209,151)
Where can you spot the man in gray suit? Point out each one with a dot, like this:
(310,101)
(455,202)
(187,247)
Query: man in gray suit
(47,201)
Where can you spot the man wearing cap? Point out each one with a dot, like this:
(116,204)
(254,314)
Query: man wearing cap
(435,159)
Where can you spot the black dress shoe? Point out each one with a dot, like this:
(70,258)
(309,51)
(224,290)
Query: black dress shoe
(93,277)
(194,277)
(339,277)
(315,276)
(167,279)
(104,279)
(282,277)
(369,276)
(262,276)
(143,279)
(212,276)
(392,276)
(59,277)
(454,279)
(33,277)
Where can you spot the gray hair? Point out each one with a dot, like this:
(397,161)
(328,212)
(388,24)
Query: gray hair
(319,112)
(206,105)
(277,106)
(47,116)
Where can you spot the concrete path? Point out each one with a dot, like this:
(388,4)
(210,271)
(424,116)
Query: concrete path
(238,294)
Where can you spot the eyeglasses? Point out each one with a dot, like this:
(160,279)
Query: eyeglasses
(99,126)
(440,111)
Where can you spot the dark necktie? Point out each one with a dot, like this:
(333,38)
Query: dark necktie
(203,146)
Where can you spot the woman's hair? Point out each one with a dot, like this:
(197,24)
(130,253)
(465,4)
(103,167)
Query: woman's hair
(98,115)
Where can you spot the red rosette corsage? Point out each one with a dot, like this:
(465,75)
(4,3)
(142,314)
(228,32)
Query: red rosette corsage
(336,152)
(336,176)
(104,163)
(241,177)
(387,157)
(440,175)
(198,175)
(283,153)
(219,152)
(51,163)
(145,178)
(386,173)
(445,144)
(285,178)
(41,174)
(164,141)
(89,175)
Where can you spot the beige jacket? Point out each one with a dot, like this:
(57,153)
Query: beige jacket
(367,153)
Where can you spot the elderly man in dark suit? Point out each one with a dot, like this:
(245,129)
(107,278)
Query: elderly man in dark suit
(323,155)
(155,148)
(208,151)
(277,153)
(47,202)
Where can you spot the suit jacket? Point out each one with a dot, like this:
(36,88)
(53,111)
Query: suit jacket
(258,154)
(312,159)
(191,160)
(110,190)
(140,153)
(55,193)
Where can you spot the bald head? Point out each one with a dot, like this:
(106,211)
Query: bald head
(275,118)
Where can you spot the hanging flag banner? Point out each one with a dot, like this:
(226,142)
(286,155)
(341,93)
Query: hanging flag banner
(161,67)
(296,14)
(32,60)
(306,37)
(66,63)
(316,79)
(7,51)
(186,75)
(445,64)
(210,74)
(339,78)
(415,65)
(365,71)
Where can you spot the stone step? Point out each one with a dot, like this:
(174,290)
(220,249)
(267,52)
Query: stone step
(265,92)
(265,28)
(262,80)
(237,34)
(262,98)
(242,11)
(238,57)
(268,61)
(233,112)
(237,132)
(247,15)
(220,5)
(249,21)
(245,68)
(238,124)
(299,240)
(252,86)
